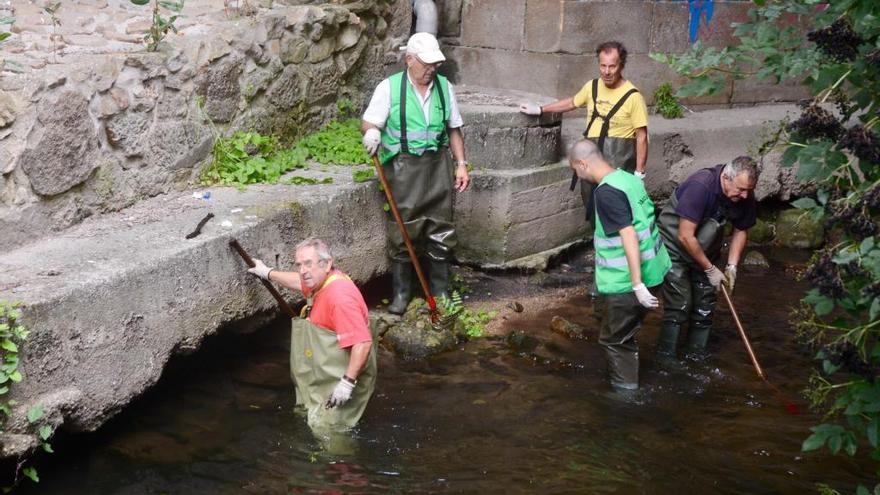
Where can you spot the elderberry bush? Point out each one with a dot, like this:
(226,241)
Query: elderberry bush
(838,40)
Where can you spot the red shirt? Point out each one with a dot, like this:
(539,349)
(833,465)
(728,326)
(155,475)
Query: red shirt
(339,307)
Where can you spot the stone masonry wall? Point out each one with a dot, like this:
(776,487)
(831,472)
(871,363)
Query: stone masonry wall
(548,46)
(91,122)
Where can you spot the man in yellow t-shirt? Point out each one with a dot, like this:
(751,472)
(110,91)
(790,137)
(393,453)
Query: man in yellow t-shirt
(617,117)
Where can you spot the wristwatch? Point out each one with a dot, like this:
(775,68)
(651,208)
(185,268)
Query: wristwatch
(349,379)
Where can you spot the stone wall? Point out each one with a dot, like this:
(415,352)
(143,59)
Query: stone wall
(91,123)
(548,46)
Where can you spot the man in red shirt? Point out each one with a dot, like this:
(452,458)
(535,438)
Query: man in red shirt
(332,356)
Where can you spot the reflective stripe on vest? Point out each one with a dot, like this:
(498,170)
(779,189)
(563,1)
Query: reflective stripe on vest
(414,135)
(612,269)
(646,254)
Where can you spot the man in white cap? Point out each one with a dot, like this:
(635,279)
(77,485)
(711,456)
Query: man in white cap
(412,121)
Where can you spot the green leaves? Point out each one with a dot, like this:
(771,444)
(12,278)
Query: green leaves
(835,436)
(363,175)
(161,25)
(665,102)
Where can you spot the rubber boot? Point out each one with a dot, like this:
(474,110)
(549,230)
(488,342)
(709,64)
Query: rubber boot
(666,345)
(698,336)
(401,281)
(438,278)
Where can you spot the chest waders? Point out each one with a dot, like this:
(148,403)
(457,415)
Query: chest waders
(419,170)
(316,366)
(618,152)
(688,297)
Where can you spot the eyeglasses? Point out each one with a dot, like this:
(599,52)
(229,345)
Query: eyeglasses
(435,65)
(308,264)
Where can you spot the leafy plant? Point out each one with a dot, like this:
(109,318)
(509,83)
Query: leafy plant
(250,158)
(298,180)
(6,34)
(840,63)
(161,25)
(12,335)
(337,143)
(666,103)
(472,324)
(363,175)
(52,11)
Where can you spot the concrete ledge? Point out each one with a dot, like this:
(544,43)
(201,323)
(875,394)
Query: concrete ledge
(110,301)
(515,213)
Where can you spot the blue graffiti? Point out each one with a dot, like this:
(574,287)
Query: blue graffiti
(698,10)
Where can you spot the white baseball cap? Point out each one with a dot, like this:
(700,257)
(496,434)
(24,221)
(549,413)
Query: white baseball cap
(425,47)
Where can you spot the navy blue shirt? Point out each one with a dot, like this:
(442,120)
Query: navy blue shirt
(700,197)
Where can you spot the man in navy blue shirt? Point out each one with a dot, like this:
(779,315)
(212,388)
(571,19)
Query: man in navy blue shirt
(692,227)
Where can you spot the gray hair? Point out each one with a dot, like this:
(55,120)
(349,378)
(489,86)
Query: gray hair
(584,149)
(742,165)
(321,248)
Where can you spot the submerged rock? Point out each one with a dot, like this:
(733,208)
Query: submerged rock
(762,233)
(520,341)
(754,258)
(797,229)
(566,328)
(414,337)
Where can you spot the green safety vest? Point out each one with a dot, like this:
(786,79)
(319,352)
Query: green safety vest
(406,130)
(612,271)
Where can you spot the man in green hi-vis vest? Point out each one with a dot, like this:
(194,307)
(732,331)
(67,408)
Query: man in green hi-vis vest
(630,257)
(411,122)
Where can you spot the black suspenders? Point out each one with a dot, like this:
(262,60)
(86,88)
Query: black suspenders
(404,82)
(606,122)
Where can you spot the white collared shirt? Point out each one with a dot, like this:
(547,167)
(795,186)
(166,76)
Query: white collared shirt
(380,105)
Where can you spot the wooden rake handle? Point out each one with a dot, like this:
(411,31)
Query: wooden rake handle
(742,334)
(432,304)
(250,262)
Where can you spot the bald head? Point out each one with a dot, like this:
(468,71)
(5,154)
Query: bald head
(587,161)
(584,149)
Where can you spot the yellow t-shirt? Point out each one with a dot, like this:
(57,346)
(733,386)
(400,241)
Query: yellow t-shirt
(632,115)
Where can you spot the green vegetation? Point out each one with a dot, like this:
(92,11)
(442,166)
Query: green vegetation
(12,335)
(471,324)
(363,175)
(6,34)
(666,104)
(252,158)
(161,25)
(337,143)
(839,61)
(298,180)
(52,11)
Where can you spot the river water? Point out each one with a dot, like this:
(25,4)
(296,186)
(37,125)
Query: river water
(486,419)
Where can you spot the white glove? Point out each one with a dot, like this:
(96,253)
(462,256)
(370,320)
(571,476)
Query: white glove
(730,274)
(371,140)
(645,297)
(715,277)
(260,270)
(530,109)
(640,175)
(341,394)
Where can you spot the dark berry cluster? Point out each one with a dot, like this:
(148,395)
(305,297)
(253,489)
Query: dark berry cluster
(863,143)
(873,58)
(825,276)
(846,356)
(871,198)
(838,40)
(816,123)
(856,220)
(844,104)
